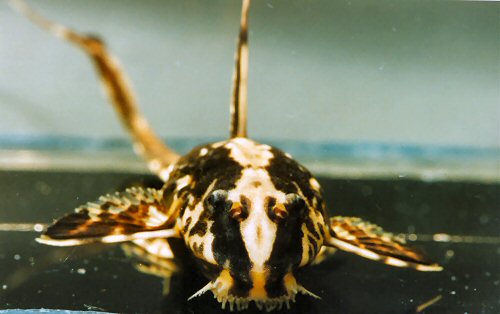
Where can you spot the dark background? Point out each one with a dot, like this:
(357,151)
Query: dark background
(36,276)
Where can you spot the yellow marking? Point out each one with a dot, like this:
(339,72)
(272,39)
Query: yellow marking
(305,245)
(222,285)
(258,290)
(226,277)
(290,282)
(280,210)
(183,182)
(236,211)
(314,184)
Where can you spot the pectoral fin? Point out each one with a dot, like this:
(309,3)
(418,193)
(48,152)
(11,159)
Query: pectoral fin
(354,235)
(136,213)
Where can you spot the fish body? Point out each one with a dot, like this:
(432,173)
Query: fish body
(250,215)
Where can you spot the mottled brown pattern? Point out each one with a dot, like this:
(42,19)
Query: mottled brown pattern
(96,220)
(299,223)
(372,238)
(198,249)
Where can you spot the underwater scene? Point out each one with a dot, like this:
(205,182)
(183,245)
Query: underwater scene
(257,156)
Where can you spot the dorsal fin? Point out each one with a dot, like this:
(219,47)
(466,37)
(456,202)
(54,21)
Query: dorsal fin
(240,78)
(117,86)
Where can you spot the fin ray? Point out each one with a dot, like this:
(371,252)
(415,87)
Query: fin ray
(134,214)
(117,86)
(240,78)
(368,240)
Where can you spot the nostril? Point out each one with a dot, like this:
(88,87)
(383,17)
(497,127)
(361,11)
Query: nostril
(280,211)
(238,212)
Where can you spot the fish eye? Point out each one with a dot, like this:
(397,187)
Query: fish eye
(216,200)
(296,203)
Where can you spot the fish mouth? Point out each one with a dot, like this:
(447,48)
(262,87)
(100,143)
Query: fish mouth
(221,289)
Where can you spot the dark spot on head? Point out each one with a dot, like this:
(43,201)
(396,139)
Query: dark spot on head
(216,202)
(256,184)
(216,165)
(295,204)
(198,249)
(199,228)
(186,226)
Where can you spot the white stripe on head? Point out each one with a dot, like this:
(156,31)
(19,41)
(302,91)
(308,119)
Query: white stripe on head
(257,230)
